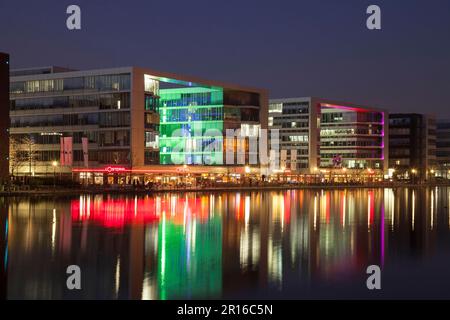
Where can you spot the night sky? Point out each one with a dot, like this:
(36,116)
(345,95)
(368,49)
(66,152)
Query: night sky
(293,48)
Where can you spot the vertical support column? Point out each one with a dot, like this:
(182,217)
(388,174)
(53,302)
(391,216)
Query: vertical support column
(314,136)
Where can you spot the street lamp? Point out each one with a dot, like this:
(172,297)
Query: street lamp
(315,170)
(54,165)
(414,171)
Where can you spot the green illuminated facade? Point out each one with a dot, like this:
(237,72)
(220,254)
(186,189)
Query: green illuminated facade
(191,125)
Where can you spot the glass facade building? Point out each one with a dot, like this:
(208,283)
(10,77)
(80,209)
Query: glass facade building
(47,107)
(320,134)
(127,118)
(443,147)
(412,145)
(191,126)
(351,137)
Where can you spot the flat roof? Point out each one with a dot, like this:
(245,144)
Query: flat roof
(188,81)
(330,103)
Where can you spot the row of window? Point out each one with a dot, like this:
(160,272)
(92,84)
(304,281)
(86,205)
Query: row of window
(175,98)
(116,138)
(296,145)
(399,131)
(189,145)
(289,124)
(353,131)
(330,117)
(53,138)
(399,152)
(103,101)
(360,155)
(103,120)
(286,152)
(191,114)
(196,159)
(190,129)
(295,108)
(358,143)
(301,138)
(102,157)
(115,82)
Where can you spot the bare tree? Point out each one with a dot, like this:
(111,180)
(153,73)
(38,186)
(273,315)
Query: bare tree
(22,153)
(17,158)
(29,147)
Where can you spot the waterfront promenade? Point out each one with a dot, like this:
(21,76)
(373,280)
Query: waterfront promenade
(27,191)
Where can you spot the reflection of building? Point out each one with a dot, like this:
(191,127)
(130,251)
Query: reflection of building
(317,133)
(229,245)
(190,259)
(412,145)
(4,231)
(112,122)
(443,147)
(181,239)
(4,116)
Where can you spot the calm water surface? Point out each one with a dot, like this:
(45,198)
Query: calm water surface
(280,244)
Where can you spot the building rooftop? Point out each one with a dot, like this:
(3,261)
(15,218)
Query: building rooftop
(38,70)
(44,73)
(330,103)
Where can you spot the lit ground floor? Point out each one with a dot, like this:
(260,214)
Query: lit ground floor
(192,176)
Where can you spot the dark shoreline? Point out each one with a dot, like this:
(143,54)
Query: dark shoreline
(73,192)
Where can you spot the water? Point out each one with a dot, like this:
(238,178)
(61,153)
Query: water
(281,244)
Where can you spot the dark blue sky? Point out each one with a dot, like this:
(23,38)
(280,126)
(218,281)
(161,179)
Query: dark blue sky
(292,48)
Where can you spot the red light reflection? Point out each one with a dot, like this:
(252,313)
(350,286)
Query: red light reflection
(116,213)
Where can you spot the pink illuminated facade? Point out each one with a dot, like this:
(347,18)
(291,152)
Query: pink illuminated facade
(321,134)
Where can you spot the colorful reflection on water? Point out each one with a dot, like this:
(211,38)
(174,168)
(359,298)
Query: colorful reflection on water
(284,244)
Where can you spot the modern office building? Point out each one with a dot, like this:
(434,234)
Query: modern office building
(412,145)
(114,125)
(4,117)
(329,136)
(443,148)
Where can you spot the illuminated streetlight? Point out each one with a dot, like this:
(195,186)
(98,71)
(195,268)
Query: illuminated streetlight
(54,164)
(414,171)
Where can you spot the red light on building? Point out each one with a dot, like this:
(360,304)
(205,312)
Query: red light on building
(109,169)
(115,169)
